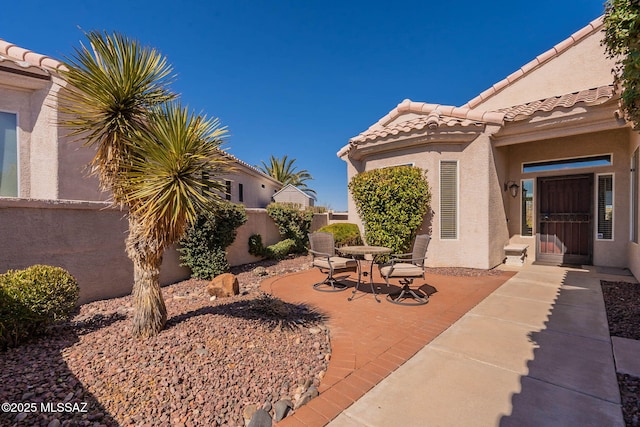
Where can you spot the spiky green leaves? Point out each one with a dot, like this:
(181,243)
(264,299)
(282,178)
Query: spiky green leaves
(163,183)
(112,83)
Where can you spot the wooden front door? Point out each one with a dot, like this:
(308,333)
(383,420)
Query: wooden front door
(565,229)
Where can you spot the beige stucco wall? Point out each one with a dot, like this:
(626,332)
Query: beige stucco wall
(583,66)
(605,253)
(476,209)
(257,190)
(50,167)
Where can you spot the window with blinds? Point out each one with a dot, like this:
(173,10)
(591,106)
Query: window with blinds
(448,199)
(605,207)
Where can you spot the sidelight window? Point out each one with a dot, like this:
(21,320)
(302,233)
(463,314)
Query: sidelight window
(605,207)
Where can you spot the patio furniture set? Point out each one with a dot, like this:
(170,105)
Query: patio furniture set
(330,259)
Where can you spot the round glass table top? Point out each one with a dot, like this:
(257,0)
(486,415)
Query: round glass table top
(364,250)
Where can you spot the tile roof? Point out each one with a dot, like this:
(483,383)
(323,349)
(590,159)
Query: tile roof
(432,116)
(27,58)
(595,96)
(595,25)
(441,117)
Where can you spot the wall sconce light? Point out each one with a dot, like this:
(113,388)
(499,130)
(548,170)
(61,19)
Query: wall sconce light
(512,187)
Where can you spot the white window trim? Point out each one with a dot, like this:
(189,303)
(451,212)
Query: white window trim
(613,203)
(457,200)
(533,207)
(18,151)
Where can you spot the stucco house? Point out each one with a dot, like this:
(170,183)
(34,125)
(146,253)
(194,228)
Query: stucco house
(543,158)
(292,194)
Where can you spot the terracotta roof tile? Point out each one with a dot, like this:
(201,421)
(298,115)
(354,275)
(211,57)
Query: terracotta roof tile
(593,96)
(593,26)
(432,121)
(26,58)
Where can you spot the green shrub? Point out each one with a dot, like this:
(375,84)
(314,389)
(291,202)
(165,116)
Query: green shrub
(33,298)
(344,234)
(203,247)
(392,203)
(293,223)
(281,249)
(256,248)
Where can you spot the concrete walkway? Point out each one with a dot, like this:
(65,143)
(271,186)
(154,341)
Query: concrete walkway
(536,352)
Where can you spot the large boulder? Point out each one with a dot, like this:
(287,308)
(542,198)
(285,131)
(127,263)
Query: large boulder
(223,286)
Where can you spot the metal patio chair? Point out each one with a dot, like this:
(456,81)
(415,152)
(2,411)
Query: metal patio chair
(323,251)
(407,267)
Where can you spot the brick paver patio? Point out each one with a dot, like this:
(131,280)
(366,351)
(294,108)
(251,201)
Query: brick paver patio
(369,340)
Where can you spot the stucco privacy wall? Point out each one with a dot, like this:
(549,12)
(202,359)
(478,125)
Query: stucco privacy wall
(616,143)
(87,239)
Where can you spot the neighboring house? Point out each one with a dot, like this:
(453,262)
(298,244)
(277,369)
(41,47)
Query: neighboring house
(249,186)
(542,158)
(292,194)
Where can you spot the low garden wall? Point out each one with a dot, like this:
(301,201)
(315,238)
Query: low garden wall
(87,239)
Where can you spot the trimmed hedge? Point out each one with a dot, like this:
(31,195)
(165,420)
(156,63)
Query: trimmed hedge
(344,234)
(392,203)
(32,299)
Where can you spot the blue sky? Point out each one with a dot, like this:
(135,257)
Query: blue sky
(300,78)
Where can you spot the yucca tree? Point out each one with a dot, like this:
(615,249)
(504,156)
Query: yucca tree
(151,154)
(286,172)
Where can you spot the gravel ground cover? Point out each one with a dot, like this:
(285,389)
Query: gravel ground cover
(622,301)
(213,364)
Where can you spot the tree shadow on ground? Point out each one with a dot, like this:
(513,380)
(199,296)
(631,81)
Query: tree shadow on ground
(266,309)
(39,386)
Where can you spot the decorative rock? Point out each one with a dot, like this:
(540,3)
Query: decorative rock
(282,408)
(306,397)
(261,418)
(267,406)
(224,285)
(260,271)
(248,412)
(54,423)
(314,331)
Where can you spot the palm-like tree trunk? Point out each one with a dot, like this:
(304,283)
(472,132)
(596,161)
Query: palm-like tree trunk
(150,313)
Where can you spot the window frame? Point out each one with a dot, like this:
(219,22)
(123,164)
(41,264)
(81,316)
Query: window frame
(597,203)
(566,160)
(533,207)
(18,165)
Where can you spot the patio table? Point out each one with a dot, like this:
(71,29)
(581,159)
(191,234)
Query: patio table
(358,253)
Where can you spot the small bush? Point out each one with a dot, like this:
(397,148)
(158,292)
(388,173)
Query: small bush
(281,249)
(256,248)
(203,248)
(293,223)
(33,298)
(344,234)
